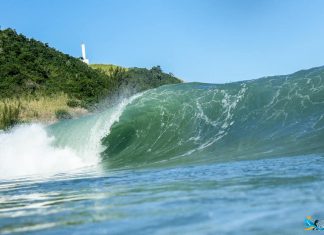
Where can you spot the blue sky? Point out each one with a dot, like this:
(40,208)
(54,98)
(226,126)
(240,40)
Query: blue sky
(210,41)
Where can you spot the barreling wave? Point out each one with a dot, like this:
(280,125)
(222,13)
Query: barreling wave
(194,122)
(179,124)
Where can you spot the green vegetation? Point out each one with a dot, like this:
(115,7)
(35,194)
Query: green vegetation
(137,79)
(73,103)
(28,66)
(35,75)
(62,114)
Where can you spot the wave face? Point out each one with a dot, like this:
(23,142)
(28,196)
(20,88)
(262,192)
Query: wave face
(193,122)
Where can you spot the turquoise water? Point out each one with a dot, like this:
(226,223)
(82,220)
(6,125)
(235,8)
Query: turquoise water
(239,158)
(270,196)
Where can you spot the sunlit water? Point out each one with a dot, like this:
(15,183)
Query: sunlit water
(270,196)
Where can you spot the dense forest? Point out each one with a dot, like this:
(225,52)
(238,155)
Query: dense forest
(30,68)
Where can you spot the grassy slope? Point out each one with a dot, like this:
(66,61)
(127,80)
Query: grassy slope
(36,80)
(31,108)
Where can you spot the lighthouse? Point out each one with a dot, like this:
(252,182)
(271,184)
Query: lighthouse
(84,58)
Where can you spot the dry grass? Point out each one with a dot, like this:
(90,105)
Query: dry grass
(39,108)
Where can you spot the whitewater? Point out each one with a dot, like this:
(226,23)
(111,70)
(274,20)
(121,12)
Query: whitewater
(40,154)
(193,158)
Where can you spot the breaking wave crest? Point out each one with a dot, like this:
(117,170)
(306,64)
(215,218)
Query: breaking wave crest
(179,124)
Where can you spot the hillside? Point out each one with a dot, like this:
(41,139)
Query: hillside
(28,67)
(31,72)
(137,79)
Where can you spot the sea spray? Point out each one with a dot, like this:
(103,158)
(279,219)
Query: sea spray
(28,150)
(104,121)
(36,149)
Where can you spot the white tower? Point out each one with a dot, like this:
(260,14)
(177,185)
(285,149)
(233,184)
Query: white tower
(84,58)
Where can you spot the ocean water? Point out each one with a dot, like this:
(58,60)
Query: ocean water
(239,158)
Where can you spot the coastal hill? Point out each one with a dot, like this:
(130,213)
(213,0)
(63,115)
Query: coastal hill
(137,79)
(38,82)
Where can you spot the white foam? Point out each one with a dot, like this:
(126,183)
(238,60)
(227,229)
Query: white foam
(28,150)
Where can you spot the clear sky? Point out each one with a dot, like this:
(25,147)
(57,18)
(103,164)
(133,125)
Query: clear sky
(198,40)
